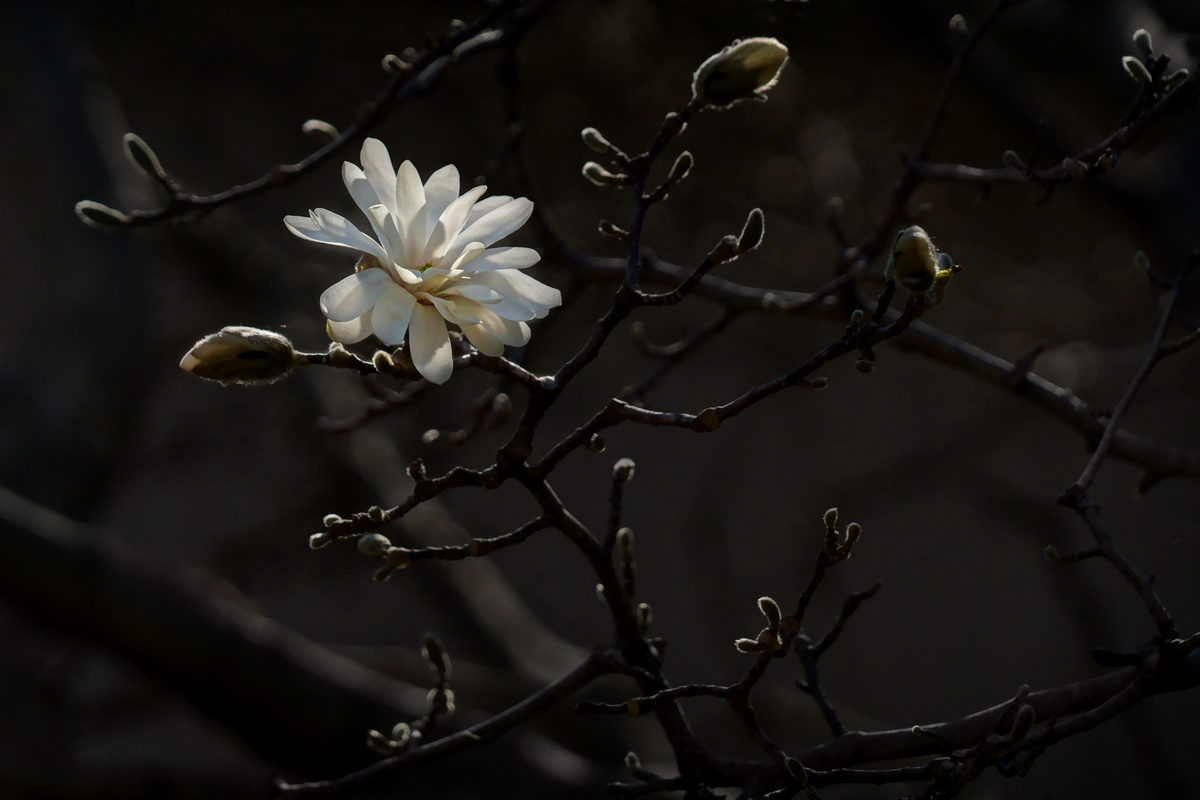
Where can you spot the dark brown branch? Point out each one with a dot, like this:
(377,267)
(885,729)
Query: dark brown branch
(850,605)
(427,70)
(476,735)
(478,547)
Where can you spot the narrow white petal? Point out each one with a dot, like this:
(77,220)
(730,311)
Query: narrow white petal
(306,228)
(449,225)
(457,310)
(359,187)
(392,312)
(484,342)
(388,233)
(469,253)
(531,291)
(503,258)
(341,231)
(511,332)
(485,206)
(429,342)
(350,332)
(377,166)
(473,291)
(441,190)
(494,225)
(353,295)
(411,217)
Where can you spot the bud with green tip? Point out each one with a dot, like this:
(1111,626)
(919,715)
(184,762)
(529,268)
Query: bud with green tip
(745,70)
(913,262)
(241,355)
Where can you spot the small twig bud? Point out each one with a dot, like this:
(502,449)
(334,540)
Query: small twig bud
(831,518)
(725,251)
(382,360)
(1176,77)
(857,317)
(602,177)
(680,169)
(958,26)
(1143,42)
(1051,553)
(748,646)
(99,215)
(710,419)
(320,128)
(393,63)
(376,515)
(1076,169)
(380,743)
(645,615)
(1015,162)
(594,140)
(137,151)
(752,232)
(770,610)
(853,531)
(373,544)
(330,520)
(1141,261)
(625,542)
(319,540)
(609,229)
(817,384)
(595,444)
(1022,724)
(600,592)
(1108,160)
(865,365)
(623,470)
(1137,70)
(632,761)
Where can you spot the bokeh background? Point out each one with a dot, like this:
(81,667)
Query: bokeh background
(210,493)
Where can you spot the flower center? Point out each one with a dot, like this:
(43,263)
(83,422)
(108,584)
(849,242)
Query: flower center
(425,266)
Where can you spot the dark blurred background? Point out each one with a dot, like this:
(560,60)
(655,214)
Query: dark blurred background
(211,492)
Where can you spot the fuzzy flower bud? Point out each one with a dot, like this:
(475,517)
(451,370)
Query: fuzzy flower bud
(1143,42)
(373,544)
(1137,70)
(1014,162)
(958,25)
(680,169)
(99,215)
(623,470)
(594,140)
(602,177)
(752,232)
(743,71)
(831,517)
(770,610)
(913,262)
(321,128)
(319,540)
(241,355)
(137,151)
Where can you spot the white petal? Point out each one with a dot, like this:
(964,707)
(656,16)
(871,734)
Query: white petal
(469,253)
(341,231)
(441,190)
(449,225)
(392,243)
(306,228)
(486,205)
(484,342)
(353,295)
(473,291)
(429,342)
(350,332)
(359,187)
(524,297)
(410,213)
(457,310)
(511,332)
(377,166)
(494,225)
(504,258)
(392,312)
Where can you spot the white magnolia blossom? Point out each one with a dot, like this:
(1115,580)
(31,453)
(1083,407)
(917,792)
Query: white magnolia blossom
(431,262)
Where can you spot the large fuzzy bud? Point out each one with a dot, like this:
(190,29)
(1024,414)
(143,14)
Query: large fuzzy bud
(742,71)
(241,355)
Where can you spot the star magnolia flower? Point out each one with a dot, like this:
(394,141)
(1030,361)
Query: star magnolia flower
(431,262)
